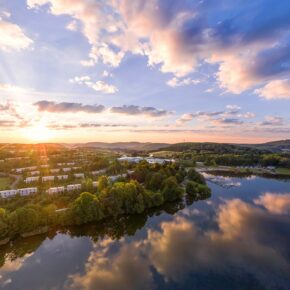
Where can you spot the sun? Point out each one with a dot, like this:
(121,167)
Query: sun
(39,133)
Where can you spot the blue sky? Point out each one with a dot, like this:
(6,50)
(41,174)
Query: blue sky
(155,70)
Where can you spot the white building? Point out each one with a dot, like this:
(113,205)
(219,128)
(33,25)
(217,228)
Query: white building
(54,190)
(8,193)
(19,170)
(55,170)
(95,183)
(31,168)
(35,172)
(66,169)
(44,166)
(48,178)
(27,191)
(70,164)
(31,179)
(97,172)
(131,159)
(79,175)
(21,191)
(113,178)
(71,187)
(62,177)
(150,160)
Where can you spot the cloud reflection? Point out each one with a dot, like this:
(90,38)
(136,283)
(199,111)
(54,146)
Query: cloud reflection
(181,249)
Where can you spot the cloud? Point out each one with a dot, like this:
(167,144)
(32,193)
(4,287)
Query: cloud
(274,90)
(181,248)
(9,108)
(275,203)
(176,82)
(66,107)
(185,118)
(7,123)
(99,86)
(117,272)
(248,49)
(73,25)
(12,37)
(136,110)
(227,121)
(86,125)
(273,121)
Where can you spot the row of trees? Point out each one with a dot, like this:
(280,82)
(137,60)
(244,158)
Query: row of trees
(147,187)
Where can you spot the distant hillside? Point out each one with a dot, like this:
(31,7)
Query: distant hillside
(276,146)
(209,147)
(132,146)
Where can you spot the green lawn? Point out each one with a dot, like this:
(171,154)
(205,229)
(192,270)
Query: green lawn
(5,182)
(285,171)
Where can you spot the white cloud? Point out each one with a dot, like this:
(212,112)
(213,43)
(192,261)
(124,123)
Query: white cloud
(176,82)
(73,25)
(99,86)
(275,203)
(185,118)
(276,89)
(176,39)
(12,37)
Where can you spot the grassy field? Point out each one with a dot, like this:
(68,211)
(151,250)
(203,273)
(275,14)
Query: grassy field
(5,182)
(285,171)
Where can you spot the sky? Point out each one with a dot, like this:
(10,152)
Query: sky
(149,71)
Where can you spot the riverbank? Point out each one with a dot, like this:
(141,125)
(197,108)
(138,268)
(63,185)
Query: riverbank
(233,171)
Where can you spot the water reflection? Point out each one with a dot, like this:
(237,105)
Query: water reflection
(226,244)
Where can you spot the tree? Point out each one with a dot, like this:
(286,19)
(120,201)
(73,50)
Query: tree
(87,208)
(103,183)
(171,190)
(4,229)
(195,176)
(191,187)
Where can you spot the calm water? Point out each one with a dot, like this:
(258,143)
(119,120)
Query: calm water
(237,239)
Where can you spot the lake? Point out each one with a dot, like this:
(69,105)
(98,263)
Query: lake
(237,239)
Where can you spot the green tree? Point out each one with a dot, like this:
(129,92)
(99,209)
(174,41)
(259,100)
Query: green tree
(87,208)
(103,183)
(191,187)
(171,190)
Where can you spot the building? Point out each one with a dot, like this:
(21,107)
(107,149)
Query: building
(55,190)
(8,193)
(27,191)
(67,169)
(98,172)
(48,178)
(95,183)
(113,178)
(31,179)
(31,168)
(131,159)
(35,172)
(21,191)
(150,160)
(71,187)
(70,164)
(62,177)
(44,166)
(55,170)
(79,175)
